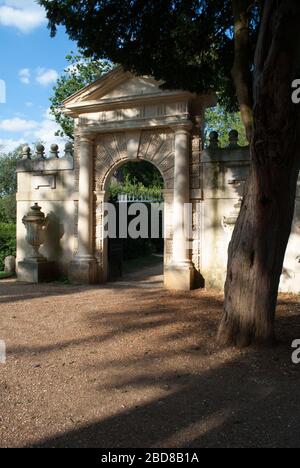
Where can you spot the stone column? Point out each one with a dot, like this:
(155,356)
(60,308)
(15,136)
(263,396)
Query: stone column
(180,273)
(83,269)
(168,195)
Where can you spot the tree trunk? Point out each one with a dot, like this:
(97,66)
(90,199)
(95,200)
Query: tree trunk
(258,245)
(241,73)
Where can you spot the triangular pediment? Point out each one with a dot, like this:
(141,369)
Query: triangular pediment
(135,86)
(116,85)
(124,90)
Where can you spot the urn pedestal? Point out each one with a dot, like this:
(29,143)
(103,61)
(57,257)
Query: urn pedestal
(180,277)
(30,272)
(36,268)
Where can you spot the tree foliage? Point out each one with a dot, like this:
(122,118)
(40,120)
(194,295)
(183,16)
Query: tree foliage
(187,44)
(8,177)
(80,72)
(8,185)
(8,189)
(222,121)
(7,241)
(142,172)
(139,179)
(8,209)
(135,189)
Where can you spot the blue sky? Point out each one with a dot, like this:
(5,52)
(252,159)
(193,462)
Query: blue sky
(31,61)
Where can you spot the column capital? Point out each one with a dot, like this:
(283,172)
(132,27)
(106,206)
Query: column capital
(183,127)
(168,194)
(86,137)
(100,195)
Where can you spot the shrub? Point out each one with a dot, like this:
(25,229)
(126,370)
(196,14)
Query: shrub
(7,242)
(135,189)
(8,209)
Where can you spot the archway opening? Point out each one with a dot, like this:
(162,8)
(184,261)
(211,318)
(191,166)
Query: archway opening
(135,247)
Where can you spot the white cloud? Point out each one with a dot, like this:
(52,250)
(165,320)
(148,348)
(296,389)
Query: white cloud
(46,132)
(29,104)
(29,4)
(24,15)
(47,129)
(17,125)
(25,75)
(7,145)
(31,131)
(45,77)
(73,69)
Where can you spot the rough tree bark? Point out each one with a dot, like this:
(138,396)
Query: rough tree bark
(241,72)
(257,249)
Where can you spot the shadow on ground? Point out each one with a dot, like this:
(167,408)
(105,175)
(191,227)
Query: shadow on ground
(227,407)
(127,367)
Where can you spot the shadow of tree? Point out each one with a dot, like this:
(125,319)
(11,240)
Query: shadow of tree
(149,374)
(230,406)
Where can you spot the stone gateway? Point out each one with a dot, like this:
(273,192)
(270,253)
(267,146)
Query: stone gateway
(121,118)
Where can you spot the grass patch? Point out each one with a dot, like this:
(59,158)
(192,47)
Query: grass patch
(4,275)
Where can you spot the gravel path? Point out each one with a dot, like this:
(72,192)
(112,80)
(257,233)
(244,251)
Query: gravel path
(131,366)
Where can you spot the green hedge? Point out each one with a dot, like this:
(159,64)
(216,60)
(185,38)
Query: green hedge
(134,189)
(7,242)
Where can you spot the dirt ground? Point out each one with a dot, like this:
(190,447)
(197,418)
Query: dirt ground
(132,365)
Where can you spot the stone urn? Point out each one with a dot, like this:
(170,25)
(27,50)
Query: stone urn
(35,223)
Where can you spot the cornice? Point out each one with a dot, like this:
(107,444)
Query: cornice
(138,124)
(76,109)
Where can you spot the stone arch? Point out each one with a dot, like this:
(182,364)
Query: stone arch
(112,150)
(118,165)
(115,149)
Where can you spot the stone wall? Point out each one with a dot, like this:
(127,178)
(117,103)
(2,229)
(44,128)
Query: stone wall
(224,171)
(50,182)
(217,180)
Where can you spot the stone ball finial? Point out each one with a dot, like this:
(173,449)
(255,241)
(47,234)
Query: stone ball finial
(233,138)
(69,149)
(54,151)
(26,152)
(214,139)
(40,151)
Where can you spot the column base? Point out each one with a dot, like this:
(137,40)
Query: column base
(36,272)
(83,270)
(180,276)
